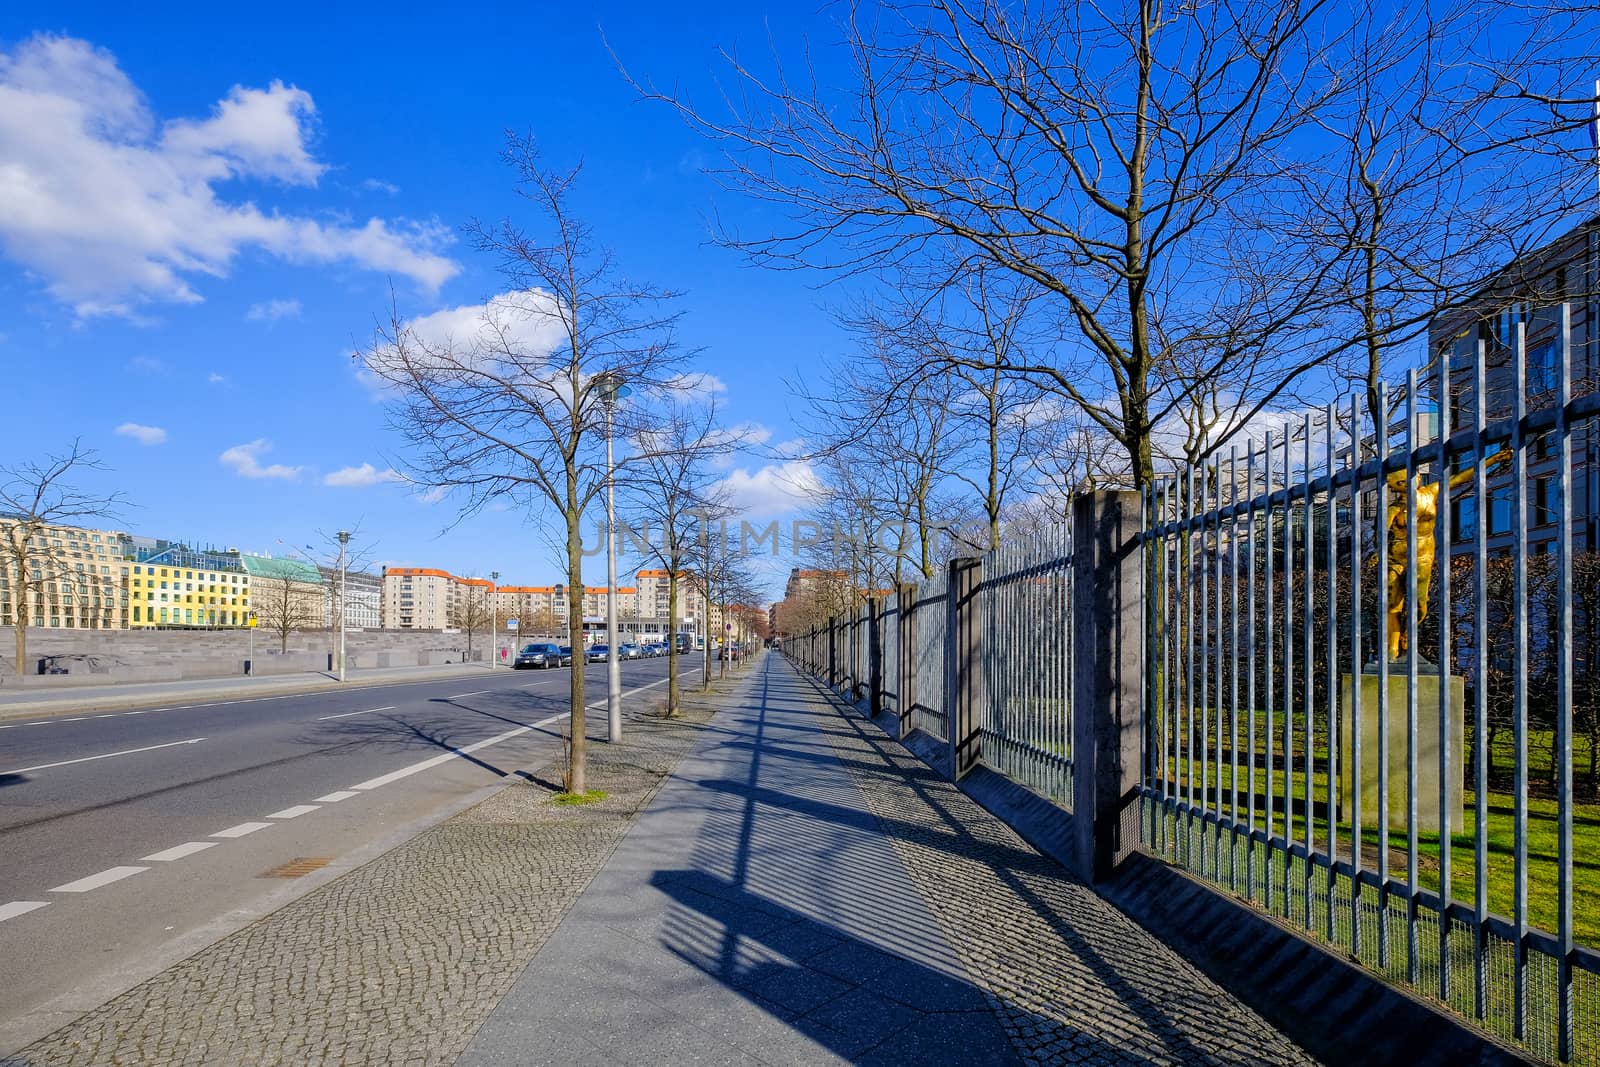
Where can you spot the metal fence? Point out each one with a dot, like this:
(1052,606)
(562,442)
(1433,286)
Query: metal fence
(928,617)
(1024,718)
(1371,676)
(1368,730)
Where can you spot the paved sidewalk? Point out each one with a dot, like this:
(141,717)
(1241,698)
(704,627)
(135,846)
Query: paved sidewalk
(802,891)
(770,881)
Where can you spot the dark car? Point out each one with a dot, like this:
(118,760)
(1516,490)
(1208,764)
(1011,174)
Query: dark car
(538,655)
(566,655)
(597,653)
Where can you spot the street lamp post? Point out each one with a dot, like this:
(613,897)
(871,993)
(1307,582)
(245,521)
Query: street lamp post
(494,619)
(344,541)
(612,390)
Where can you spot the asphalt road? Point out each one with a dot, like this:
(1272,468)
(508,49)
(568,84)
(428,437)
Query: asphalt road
(131,839)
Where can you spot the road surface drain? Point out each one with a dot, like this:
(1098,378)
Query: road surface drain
(297,867)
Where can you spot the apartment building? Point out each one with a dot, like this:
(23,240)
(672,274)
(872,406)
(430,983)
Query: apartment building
(654,593)
(424,598)
(538,609)
(1528,295)
(74,580)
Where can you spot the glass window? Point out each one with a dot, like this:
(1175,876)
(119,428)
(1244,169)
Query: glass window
(1542,368)
(1500,510)
(137,619)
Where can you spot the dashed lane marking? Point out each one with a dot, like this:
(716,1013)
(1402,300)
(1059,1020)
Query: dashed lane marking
(242,829)
(103,755)
(95,881)
(458,696)
(347,714)
(20,907)
(294,812)
(334,798)
(178,852)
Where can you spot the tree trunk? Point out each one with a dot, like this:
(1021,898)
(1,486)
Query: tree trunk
(577,777)
(672,634)
(19,616)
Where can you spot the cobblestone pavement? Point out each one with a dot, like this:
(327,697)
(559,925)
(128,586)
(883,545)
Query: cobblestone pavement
(1073,980)
(400,961)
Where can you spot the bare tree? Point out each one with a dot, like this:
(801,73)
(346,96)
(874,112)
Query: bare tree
(1129,161)
(516,411)
(35,496)
(669,488)
(471,613)
(284,604)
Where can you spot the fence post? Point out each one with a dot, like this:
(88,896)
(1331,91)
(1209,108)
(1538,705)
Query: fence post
(1108,678)
(875,625)
(833,652)
(963,659)
(905,684)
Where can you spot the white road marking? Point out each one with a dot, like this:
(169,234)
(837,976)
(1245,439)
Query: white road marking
(95,881)
(104,755)
(178,852)
(415,768)
(80,718)
(42,722)
(334,798)
(479,693)
(110,716)
(20,907)
(133,713)
(346,715)
(294,812)
(242,829)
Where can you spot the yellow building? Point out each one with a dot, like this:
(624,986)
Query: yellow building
(178,587)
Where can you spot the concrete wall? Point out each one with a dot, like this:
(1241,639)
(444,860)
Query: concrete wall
(95,657)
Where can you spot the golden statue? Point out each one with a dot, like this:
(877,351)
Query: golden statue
(1427,516)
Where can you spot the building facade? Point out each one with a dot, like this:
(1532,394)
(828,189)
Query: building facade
(171,586)
(74,580)
(363,593)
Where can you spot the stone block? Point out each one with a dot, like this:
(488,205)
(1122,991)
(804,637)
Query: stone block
(1428,745)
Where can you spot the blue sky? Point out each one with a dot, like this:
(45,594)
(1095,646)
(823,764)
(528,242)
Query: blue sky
(201,215)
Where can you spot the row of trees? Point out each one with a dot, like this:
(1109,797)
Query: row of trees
(1096,240)
(1092,239)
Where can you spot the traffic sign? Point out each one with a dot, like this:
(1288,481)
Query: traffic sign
(511,624)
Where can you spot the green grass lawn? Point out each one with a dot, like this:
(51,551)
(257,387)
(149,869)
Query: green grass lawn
(1543,844)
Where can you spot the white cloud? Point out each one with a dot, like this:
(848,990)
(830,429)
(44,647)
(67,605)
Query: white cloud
(696,384)
(113,208)
(433,495)
(773,490)
(527,320)
(273,310)
(254,132)
(145,435)
(215,379)
(378,185)
(149,365)
(361,477)
(246,461)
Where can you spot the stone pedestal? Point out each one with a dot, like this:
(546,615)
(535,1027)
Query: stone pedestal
(1427,748)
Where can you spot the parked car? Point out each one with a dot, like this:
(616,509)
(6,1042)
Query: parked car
(538,655)
(658,650)
(598,653)
(630,652)
(729,652)
(566,655)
